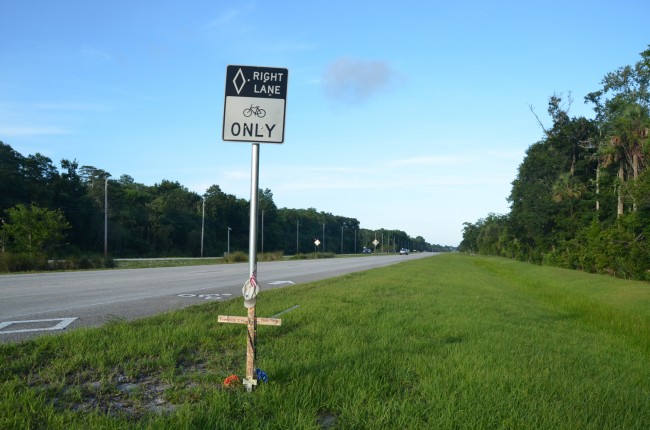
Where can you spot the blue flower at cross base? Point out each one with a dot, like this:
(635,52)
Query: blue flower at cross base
(261,375)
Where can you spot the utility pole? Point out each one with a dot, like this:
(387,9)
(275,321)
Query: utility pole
(105,217)
(229,229)
(202,227)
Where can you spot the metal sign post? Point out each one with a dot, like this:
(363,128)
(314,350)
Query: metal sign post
(252,289)
(254,111)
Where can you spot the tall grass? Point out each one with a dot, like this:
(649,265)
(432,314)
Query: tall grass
(447,342)
(10,262)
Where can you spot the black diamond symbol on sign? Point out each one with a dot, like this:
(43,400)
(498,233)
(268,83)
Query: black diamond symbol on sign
(239,77)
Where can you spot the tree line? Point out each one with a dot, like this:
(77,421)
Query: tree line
(83,209)
(581,198)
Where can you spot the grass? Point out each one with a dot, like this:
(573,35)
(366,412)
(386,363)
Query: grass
(448,342)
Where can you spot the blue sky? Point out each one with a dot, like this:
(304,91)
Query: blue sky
(410,115)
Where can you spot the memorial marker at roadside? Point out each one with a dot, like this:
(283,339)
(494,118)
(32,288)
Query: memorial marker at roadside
(254,111)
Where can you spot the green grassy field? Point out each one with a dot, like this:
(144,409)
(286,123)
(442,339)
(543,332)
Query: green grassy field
(448,342)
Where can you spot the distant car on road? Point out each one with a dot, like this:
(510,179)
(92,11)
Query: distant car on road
(367,250)
(403,251)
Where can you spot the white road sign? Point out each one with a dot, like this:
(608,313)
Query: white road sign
(255,104)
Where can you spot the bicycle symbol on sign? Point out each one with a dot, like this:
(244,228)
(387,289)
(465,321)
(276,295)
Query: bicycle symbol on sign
(254,110)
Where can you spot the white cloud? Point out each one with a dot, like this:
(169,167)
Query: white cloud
(351,80)
(224,19)
(230,18)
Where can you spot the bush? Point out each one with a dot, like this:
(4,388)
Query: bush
(22,262)
(313,255)
(10,262)
(242,257)
(236,257)
(271,256)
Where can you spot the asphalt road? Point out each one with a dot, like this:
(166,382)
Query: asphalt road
(47,303)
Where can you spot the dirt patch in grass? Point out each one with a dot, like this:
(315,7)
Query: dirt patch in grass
(327,420)
(125,395)
(122,395)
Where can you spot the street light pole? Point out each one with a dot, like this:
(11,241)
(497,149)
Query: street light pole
(105,217)
(229,240)
(202,226)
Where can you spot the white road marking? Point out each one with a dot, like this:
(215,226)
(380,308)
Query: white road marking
(62,323)
(215,296)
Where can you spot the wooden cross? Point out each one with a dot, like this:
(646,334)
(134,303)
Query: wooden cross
(251,321)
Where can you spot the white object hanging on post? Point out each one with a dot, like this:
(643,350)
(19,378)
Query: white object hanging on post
(250,290)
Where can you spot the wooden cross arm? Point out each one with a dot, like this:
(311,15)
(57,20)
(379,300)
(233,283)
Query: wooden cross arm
(244,320)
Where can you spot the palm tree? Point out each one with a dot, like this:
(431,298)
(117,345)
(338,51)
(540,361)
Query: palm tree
(628,146)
